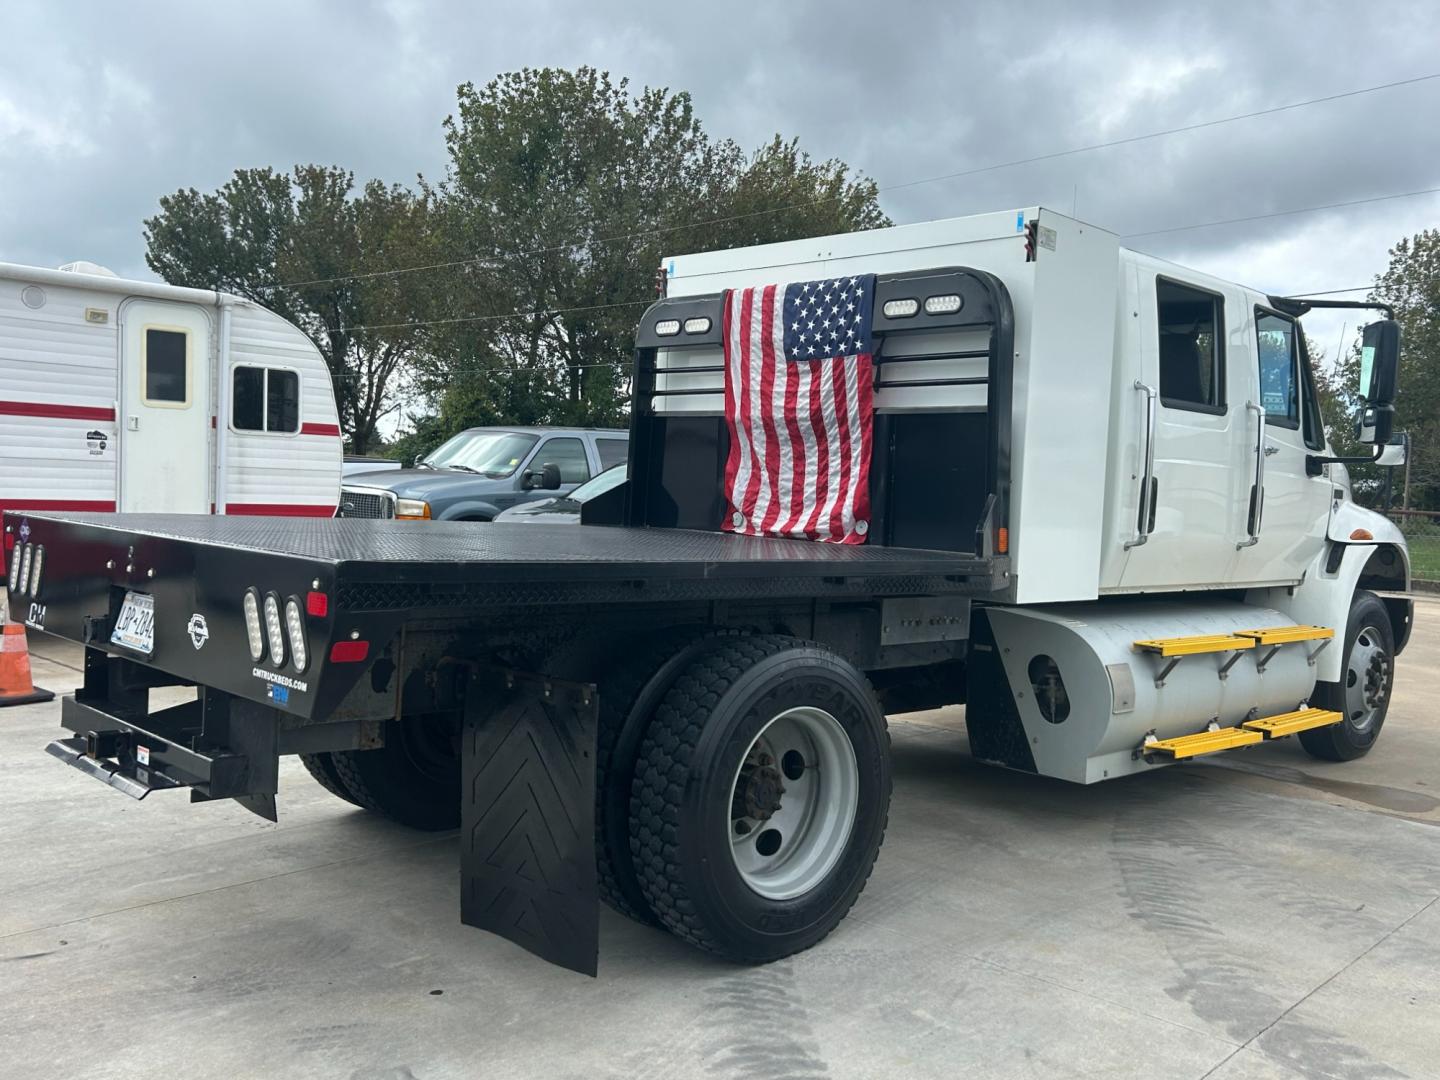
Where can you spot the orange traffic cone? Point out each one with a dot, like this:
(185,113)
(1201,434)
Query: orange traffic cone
(15,685)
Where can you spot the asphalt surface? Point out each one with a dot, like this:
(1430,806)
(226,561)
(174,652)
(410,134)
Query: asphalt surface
(1265,915)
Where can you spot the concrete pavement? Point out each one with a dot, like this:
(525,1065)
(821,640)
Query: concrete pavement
(1263,916)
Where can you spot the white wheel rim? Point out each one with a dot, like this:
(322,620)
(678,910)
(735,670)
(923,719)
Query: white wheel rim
(792,803)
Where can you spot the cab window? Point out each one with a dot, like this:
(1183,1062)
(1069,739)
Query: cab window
(569,455)
(1192,347)
(1279,358)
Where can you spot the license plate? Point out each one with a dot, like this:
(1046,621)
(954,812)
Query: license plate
(135,628)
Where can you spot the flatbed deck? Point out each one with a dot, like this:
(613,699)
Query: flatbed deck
(443,564)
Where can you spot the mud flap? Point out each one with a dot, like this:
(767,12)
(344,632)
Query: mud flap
(527,851)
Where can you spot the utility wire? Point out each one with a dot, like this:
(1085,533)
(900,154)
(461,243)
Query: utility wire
(484,260)
(1284,213)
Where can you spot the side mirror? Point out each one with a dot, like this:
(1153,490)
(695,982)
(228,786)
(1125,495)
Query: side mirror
(1395,452)
(1379,379)
(550,476)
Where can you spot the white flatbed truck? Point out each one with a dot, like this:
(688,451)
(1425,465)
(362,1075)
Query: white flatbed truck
(1103,516)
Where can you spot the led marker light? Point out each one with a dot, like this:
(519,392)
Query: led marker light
(944,304)
(667,327)
(252,625)
(25,568)
(273,630)
(699,325)
(900,309)
(15,567)
(36,569)
(295,624)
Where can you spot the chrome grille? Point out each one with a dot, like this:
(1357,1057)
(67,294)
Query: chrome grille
(355,503)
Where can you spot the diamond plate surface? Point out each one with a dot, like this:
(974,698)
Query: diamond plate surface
(527,852)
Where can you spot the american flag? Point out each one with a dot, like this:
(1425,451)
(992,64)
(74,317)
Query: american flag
(798,402)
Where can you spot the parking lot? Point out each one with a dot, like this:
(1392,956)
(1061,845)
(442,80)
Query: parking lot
(1266,915)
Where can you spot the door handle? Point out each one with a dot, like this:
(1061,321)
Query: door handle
(1269,450)
(1147,479)
(1257,489)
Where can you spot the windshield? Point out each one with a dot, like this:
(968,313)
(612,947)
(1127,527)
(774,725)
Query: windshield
(494,453)
(598,485)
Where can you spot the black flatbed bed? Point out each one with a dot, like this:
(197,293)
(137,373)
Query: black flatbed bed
(444,564)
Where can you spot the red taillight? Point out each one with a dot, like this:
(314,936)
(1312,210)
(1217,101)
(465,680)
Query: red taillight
(317,604)
(349,652)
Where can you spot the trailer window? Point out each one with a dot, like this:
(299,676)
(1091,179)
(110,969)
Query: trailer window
(569,454)
(1279,371)
(265,399)
(166,364)
(1192,347)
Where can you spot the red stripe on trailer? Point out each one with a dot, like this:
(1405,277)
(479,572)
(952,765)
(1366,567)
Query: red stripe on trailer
(320,429)
(281,509)
(55,412)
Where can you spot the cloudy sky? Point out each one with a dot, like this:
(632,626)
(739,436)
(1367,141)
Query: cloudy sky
(105,108)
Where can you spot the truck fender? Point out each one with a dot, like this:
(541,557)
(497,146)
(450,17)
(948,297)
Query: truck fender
(1324,595)
(470,509)
(1346,518)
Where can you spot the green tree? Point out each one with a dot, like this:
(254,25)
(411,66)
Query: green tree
(310,247)
(1411,283)
(563,193)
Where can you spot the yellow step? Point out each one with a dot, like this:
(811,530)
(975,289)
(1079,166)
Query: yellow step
(1283,635)
(1204,742)
(1273,727)
(1193,646)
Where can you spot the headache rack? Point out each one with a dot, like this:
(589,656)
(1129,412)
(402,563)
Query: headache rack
(940,472)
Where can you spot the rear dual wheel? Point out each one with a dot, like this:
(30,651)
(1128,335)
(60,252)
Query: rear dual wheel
(760,797)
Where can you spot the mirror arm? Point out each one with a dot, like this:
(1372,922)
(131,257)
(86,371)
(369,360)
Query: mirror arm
(1314,463)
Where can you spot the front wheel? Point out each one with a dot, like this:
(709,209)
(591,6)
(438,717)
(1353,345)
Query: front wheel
(760,797)
(1362,696)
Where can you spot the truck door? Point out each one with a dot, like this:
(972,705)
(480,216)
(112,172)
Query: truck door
(1289,530)
(1186,364)
(164,408)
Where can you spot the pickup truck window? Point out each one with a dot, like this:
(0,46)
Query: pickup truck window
(1279,371)
(494,453)
(569,454)
(1192,347)
(265,399)
(612,451)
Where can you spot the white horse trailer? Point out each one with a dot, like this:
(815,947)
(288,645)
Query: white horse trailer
(143,397)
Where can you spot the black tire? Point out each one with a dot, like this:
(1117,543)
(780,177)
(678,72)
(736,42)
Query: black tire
(1363,693)
(629,696)
(413,779)
(322,767)
(684,783)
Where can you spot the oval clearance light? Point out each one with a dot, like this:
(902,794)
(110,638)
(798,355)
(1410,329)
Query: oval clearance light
(900,309)
(36,570)
(15,557)
(25,568)
(349,652)
(253,631)
(295,627)
(667,327)
(1362,534)
(944,304)
(274,631)
(698,326)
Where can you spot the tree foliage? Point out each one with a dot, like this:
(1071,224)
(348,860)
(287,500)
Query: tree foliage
(1411,283)
(307,245)
(565,191)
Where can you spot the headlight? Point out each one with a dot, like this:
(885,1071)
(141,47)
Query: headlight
(295,623)
(15,567)
(252,625)
(35,570)
(273,630)
(25,568)
(412,509)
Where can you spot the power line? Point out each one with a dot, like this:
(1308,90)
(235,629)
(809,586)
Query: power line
(1284,213)
(481,260)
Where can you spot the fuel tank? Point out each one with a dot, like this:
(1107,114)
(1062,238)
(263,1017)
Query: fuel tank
(1087,697)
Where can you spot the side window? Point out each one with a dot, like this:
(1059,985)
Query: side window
(569,454)
(265,399)
(1192,347)
(612,451)
(1279,369)
(166,368)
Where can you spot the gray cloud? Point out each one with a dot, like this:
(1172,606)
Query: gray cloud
(101,113)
